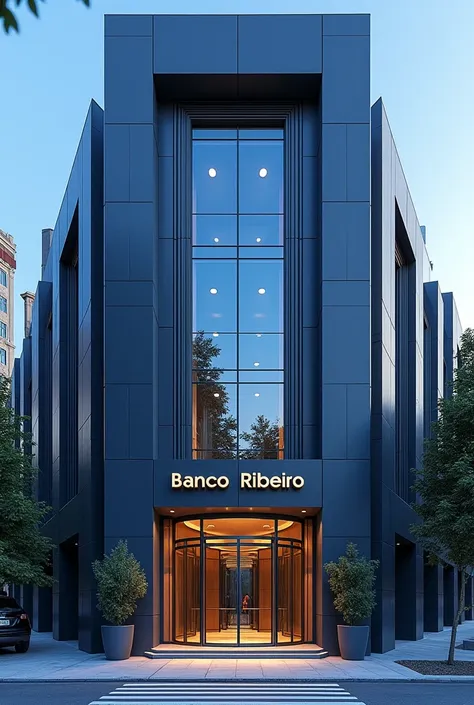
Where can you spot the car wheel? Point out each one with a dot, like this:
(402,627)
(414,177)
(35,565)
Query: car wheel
(22,647)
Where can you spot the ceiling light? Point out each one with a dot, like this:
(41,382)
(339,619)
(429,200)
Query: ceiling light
(259,335)
(256,364)
(262,173)
(215,335)
(257,394)
(212,172)
(216,394)
(267,526)
(171,511)
(216,239)
(259,239)
(213,291)
(398,544)
(303,511)
(260,291)
(211,526)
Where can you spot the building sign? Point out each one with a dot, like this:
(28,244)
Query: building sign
(248,481)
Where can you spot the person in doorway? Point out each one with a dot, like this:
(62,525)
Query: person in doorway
(245,608)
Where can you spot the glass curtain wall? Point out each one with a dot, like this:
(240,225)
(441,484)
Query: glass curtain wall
(237,406)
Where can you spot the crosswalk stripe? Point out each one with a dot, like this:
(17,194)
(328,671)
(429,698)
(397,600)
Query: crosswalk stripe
(237,685)
(229,690)
(270,689)
(223,689)
(214,696)
(217,693)
(230,687)
(156,697)
(233,685)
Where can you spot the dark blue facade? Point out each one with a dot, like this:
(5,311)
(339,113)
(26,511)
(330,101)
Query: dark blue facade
(110,396)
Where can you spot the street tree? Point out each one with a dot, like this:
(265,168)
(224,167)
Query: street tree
(24,551)
(9,18)
(445,483)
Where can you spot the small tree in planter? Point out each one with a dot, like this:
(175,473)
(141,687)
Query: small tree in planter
(352,580)
(121,582)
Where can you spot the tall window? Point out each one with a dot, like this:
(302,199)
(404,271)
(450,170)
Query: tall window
(238,294)
(3,304)
(3,356)
(427,403)
(3,277)
(69,334)
(402,466)
(3,330)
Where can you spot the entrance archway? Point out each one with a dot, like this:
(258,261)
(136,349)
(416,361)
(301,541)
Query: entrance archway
(238,581)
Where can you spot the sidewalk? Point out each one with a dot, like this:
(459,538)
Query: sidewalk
(50,660)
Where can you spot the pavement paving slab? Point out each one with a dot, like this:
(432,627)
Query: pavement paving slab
(50,660)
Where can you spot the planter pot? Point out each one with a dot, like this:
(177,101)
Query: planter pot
(118,642)
(352,642)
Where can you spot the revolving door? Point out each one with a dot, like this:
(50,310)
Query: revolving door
(240,588)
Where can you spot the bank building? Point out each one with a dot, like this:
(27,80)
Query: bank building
(236,346)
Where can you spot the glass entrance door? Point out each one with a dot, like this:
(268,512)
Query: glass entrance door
(221,591)
(256,580)
(238,590)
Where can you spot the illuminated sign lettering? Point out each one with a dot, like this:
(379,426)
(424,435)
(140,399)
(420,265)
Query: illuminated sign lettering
(248,481)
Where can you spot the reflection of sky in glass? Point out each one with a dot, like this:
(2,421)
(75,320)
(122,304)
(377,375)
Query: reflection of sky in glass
(257,194)
(215,230)
(238,291)
(267,350)
(261,312)
(215,312)
(218,194)
(269,403)
(261,230)
(261,353)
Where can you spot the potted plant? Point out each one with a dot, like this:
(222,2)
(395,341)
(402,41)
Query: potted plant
(121,582)
(351,580)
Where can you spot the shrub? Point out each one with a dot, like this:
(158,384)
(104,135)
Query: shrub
(121,582)
(351,580)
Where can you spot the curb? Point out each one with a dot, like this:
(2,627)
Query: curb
(102,679)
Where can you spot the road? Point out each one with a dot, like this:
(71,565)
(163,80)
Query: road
(73,693)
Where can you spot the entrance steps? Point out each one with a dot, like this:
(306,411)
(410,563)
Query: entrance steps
(176,651)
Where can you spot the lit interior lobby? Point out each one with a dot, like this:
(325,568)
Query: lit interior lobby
(240,581)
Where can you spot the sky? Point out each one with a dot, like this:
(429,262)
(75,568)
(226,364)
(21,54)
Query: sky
(422,66)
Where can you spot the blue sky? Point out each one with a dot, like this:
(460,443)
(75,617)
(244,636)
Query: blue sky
(422,66)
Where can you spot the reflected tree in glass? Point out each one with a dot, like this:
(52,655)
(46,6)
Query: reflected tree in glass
(264,440)
(214,427)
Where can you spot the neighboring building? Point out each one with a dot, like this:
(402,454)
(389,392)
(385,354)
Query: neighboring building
(7,292)
(237,274)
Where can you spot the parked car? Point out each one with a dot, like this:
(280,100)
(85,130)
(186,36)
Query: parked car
(15,627)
